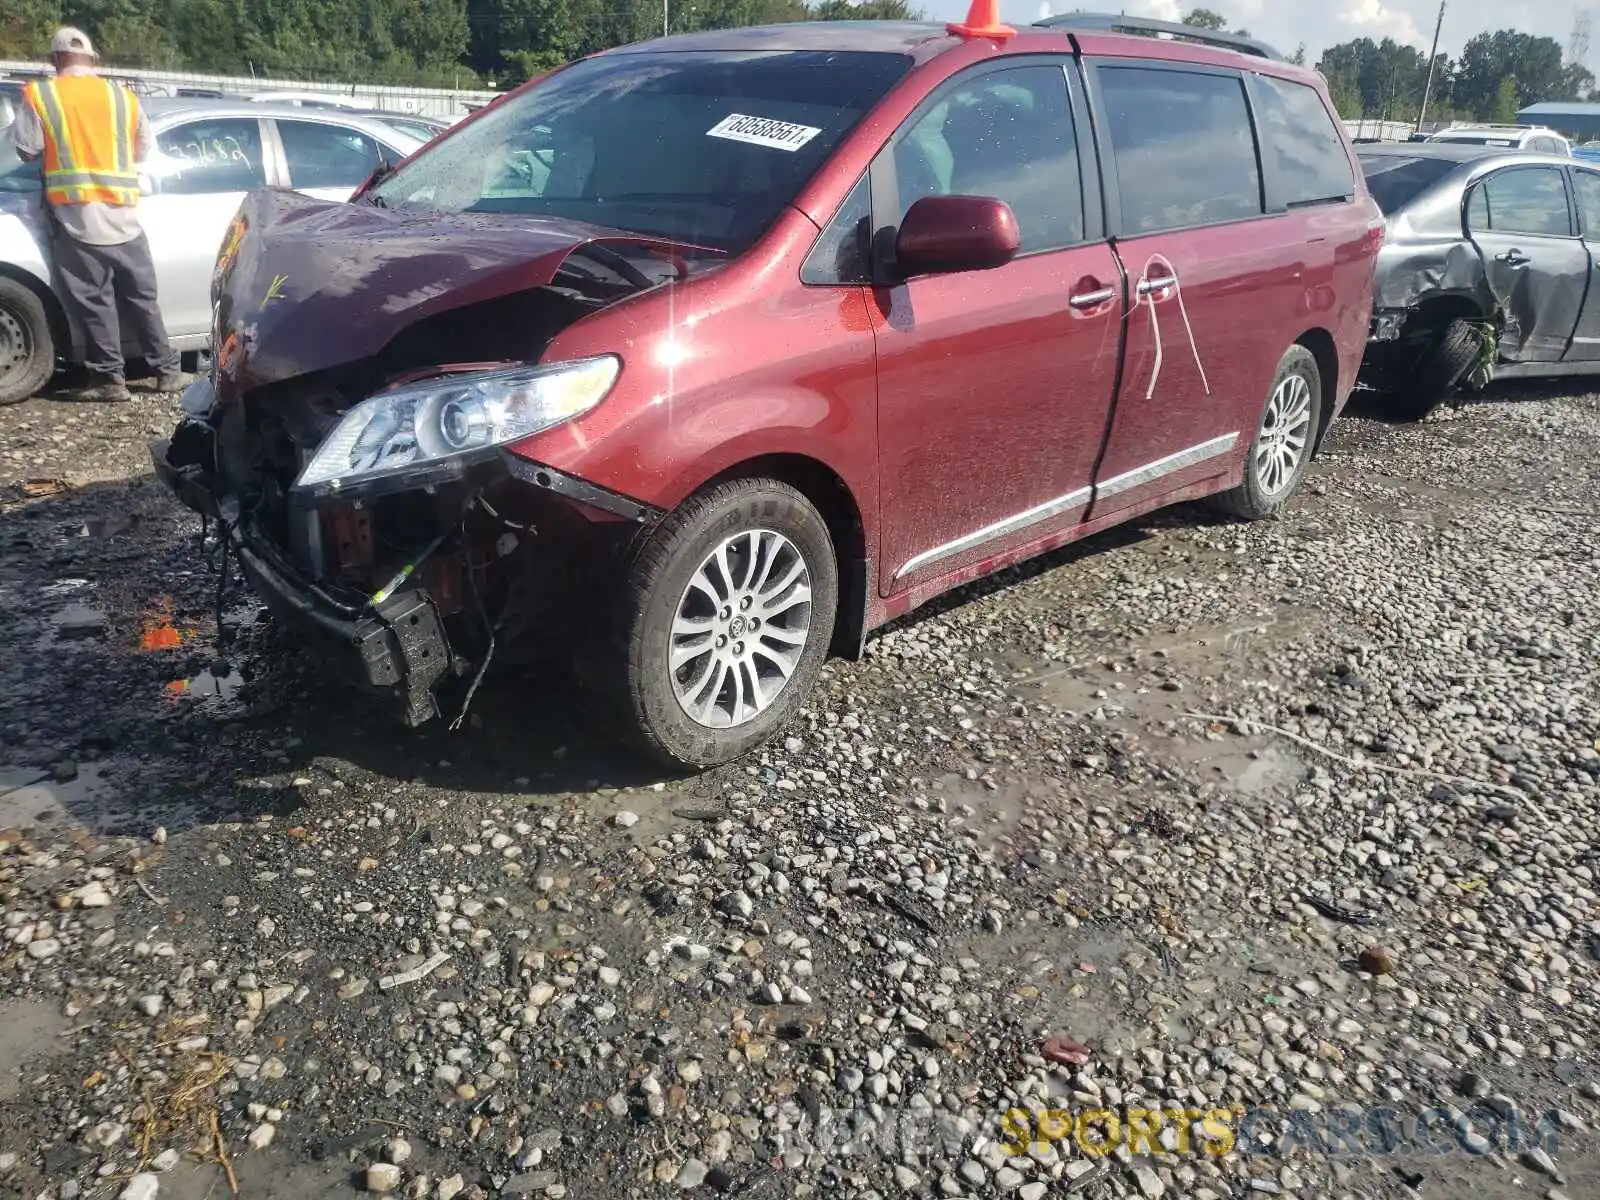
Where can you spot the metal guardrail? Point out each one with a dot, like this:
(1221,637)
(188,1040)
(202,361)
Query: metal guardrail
(418,101)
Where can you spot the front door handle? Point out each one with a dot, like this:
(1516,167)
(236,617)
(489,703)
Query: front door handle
(1514,258)
(1148,287)
(1093,299)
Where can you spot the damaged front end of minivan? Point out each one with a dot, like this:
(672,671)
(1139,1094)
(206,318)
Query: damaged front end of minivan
(370,372)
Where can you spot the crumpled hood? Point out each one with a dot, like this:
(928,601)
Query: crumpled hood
(306,284)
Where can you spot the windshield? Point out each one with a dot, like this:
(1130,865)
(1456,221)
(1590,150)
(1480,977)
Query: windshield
(698,146)
(1396,181)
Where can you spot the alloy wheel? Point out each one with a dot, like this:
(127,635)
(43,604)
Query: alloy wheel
(740,628)
(1285,434)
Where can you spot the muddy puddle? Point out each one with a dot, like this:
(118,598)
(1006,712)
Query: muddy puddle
(1147,692)
(29,796)
(1121,989)
(1413,502)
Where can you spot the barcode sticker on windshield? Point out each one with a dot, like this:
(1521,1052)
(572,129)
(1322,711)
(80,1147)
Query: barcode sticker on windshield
(763,131)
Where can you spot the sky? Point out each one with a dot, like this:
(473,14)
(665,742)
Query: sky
(1322,23)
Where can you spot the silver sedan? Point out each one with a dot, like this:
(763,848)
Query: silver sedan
(209,155)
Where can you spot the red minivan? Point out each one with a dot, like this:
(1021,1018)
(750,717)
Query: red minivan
(702,357)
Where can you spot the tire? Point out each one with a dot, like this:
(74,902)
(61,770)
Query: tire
(765,532)
(1285,437)
(27,346)
(1438,372)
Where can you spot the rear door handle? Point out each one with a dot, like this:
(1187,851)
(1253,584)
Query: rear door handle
(1161,283)
(1515,258)
(1093,299)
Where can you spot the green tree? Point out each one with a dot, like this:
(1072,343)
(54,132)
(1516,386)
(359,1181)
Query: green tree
(1346,94)
(1205,18)
(25,27)
(1488,60)
(1503,110)
(867,10)
(1386,78)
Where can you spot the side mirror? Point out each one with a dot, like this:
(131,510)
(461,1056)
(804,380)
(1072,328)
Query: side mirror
(943,235)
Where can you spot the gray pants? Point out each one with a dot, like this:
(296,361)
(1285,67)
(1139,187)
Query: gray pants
(95,278)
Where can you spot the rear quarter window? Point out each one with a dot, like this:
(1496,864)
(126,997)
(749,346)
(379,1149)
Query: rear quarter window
(1299,139)
(1183,146)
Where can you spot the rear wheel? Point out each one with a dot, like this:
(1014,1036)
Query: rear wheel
(724,623)
(27,347)
(1281,451)
(1439,371)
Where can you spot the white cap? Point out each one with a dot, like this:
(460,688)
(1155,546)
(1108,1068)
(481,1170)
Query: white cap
(72,41)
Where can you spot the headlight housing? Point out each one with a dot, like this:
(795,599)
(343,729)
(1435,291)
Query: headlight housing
(432,430)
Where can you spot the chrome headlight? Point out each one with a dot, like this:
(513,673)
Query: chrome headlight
(430,430)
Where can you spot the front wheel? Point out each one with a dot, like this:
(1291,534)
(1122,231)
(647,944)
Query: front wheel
(1284,440)
(27,348)
(724,623)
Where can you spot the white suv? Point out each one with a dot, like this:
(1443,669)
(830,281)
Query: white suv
(1514,137)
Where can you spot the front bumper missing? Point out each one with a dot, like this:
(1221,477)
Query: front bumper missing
(394,641)
(398,646)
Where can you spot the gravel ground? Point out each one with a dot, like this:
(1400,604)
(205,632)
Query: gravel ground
(255,937)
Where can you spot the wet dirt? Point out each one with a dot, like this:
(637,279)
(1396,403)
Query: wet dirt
(1061,774)
(29,796)
(30,1032)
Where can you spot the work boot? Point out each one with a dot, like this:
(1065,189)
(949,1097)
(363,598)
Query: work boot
(105,389)
(173,382)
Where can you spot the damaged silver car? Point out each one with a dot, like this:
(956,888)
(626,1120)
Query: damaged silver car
(1486,270)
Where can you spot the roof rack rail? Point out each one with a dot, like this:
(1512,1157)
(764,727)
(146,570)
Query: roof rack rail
(1508,126)
(1117,23)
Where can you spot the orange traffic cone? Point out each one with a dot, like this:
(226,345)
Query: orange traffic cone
(983,20)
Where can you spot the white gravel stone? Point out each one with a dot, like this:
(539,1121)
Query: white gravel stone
(166,1160)
(382,1178)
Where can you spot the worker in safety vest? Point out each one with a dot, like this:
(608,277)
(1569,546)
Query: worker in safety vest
(93,134)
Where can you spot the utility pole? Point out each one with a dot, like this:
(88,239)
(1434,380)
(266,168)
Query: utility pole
(1433,63)
(1578,43)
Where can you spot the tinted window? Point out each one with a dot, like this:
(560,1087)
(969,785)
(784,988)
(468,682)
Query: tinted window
(209,156)
(1395,181)
(1303,144)
(699,145)
(1183,145)
(1522,200)
(327,156)
(1006,134)
(841,253)
(1587,186)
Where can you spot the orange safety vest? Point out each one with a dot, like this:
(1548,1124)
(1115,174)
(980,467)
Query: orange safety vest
(90,134)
